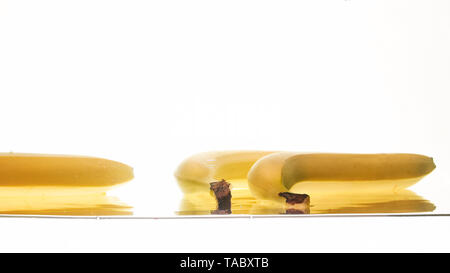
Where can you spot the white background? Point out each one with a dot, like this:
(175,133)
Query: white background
(149,83)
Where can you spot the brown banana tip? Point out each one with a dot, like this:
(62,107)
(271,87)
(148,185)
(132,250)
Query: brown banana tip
(296,203)
(295,198)
(222,192)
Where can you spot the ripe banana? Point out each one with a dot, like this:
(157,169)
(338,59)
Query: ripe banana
(335,173)
(263,174)
(31,170)
(196,172)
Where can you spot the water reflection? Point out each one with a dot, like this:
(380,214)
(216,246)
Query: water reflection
(400,202)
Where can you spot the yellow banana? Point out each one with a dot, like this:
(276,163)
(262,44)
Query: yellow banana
(32,170)
(196,172)
(263,174)
(333,173)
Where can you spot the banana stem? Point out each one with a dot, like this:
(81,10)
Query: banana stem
(222,192)
(296,203)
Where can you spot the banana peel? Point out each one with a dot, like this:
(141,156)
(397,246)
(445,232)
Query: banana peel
(337,183)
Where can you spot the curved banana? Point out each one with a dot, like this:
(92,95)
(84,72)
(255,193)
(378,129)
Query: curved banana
(40,170)
(333,173)
(269,173)
(196,172)
(337,182)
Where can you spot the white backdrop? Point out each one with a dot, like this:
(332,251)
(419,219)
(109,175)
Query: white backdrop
(148,83)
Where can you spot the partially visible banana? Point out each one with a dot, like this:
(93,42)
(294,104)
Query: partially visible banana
(266,174)
(43,184)
(196,172)
(42,170)
(333,173)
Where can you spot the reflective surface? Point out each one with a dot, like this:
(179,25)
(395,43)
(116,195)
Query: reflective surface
(141,203)
(401,202)
(202,202)
(60,201)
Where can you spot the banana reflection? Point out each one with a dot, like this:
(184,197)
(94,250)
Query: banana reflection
(384,202)
(73,201)
(199,200)
(400,202)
